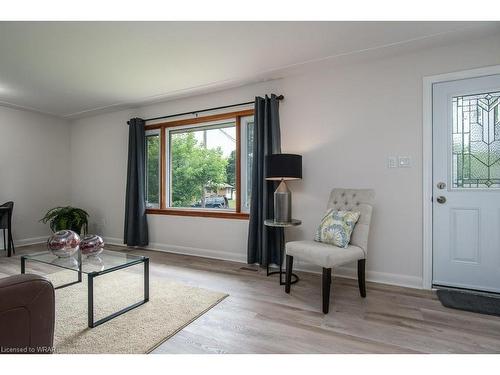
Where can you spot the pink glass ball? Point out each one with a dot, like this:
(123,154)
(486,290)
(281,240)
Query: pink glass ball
(63,243)
(91,244)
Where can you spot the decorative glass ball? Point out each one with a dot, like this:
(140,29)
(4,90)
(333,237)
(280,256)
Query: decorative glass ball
(63,243)
(91,244)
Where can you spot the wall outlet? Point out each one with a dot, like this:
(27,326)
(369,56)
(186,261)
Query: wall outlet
(392,162)
(404,162)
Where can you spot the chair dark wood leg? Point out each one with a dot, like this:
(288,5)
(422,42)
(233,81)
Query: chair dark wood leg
(327,281)
(288,278)
(11,240)
(361,277)
(9,235)
(4,242)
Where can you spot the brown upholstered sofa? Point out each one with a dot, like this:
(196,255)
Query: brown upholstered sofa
(26,314)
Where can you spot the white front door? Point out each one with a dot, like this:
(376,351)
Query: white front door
(466,183)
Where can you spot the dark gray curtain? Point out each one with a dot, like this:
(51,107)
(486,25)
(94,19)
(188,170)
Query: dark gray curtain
(264,242)
(136,225)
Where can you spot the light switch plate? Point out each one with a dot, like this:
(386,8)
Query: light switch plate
(392,162)
(404,162)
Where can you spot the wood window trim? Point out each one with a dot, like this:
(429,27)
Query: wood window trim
(197,120)
(198,213)
(164,210)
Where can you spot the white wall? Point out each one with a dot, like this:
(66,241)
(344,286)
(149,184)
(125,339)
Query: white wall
(345,120)
(34,169)
(99,152)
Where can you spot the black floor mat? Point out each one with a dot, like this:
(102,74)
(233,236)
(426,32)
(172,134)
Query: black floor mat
(483,303)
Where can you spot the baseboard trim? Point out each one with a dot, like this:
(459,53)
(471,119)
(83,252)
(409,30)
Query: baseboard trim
(382,277)
(347,272)
(185,250)
(30,241)
(373,276)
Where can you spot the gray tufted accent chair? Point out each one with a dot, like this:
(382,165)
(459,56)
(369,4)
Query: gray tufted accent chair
(328,256)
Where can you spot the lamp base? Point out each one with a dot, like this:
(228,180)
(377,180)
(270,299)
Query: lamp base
(282,204)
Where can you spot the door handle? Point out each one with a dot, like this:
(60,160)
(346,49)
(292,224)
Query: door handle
(441,199)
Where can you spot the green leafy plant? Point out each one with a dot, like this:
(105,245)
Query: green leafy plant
(72,218)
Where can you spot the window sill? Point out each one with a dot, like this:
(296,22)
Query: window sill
(198,213)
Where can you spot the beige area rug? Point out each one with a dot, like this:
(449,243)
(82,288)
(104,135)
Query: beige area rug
(171,307)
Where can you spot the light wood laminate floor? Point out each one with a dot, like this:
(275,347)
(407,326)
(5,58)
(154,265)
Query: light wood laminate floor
(258,317)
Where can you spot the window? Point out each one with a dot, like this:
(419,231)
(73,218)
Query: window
(247,131)
(476,141)
(201,166)
(153,169)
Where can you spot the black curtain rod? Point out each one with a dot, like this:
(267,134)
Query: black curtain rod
(279,97)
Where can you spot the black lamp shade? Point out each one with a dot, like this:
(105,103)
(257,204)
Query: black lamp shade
(283,167)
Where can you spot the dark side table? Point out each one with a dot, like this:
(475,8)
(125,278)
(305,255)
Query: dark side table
(276,225)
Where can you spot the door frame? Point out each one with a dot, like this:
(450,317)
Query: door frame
(428,82)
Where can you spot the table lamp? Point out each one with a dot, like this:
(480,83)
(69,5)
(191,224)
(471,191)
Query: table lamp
(282,167)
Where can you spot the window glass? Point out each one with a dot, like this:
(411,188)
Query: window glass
(476,141)
(153,169)
(203,167)
(248,160)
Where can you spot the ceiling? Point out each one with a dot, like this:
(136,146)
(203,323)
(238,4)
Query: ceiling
(73,69)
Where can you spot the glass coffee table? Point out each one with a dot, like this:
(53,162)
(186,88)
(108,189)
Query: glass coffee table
(105,262)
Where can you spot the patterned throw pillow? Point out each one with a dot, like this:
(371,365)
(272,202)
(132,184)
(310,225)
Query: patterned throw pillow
(336,227)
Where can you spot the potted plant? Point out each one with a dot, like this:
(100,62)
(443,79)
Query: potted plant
(72,218)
